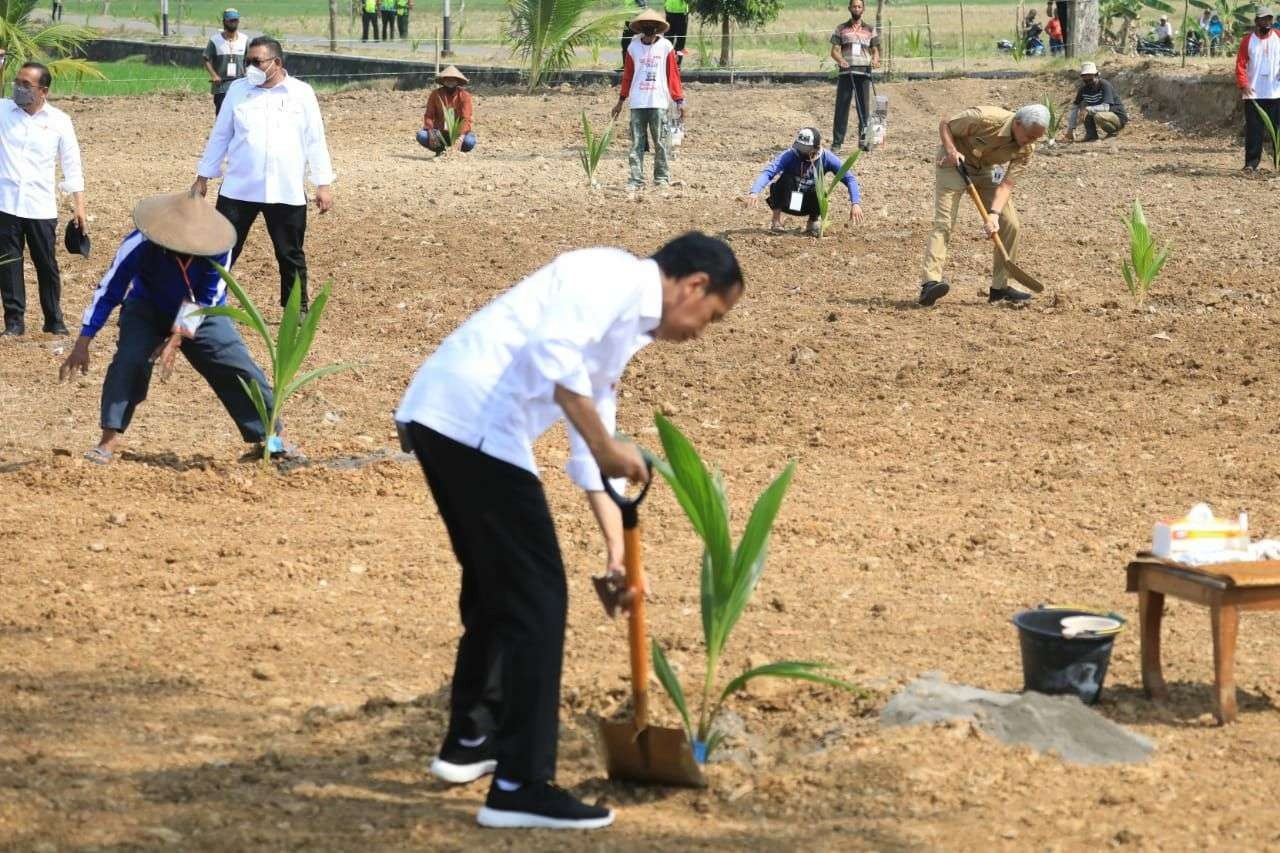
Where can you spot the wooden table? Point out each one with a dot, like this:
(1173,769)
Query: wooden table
(1226,589)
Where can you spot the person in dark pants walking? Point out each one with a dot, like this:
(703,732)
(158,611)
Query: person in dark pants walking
(270,133)
(369,19)
(164,273)
(678,18)
(855,47)
(553,347)
(387,14)
(35,137)
(1257,67)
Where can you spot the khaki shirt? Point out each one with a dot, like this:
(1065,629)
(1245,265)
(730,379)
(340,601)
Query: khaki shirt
(984,136)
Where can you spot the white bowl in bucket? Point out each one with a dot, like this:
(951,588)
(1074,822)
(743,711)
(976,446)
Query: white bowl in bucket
(1074,626)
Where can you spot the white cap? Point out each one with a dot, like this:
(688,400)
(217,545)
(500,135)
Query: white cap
(1088,68)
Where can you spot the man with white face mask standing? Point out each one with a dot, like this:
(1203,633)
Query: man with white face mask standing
(34,137)
(270,133)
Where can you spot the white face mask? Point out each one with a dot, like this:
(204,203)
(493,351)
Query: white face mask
(255,75)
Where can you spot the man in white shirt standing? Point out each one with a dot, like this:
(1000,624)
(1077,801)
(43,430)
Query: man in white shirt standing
(1258,79)
(552,347)
(35,137)
(269,132)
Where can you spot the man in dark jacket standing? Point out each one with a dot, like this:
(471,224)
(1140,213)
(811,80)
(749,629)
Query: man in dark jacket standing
(1097,101)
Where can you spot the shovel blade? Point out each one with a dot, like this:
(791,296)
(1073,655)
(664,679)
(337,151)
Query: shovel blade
(1020,276)
(650,756)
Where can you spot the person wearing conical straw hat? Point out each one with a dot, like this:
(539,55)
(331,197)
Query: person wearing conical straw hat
(449,96)
(164,273)
(651,79)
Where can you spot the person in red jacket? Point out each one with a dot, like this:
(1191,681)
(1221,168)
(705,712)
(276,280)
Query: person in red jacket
(1257,69)
(435,130)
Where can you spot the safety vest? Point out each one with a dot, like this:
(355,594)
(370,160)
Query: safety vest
(371,5)
(402,7)
(679,7)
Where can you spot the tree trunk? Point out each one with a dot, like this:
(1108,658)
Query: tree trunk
(333,26)
(1088,27)
(726,44)
(879,12)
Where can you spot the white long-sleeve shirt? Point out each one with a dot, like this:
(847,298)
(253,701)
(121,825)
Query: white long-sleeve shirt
(269,139)
(576,322)
(1258,65)
(31,147)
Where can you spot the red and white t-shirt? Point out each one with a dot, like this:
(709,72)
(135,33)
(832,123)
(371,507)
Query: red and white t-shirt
(650,75)
(1258,65)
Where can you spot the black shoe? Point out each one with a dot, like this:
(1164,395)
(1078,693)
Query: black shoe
(932,291)
(56,328)
(13,330)
(1008,294)
(458,764)
(540,805)
(1091,137)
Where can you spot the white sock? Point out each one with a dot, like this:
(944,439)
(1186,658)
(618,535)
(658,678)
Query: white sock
(509,786)
(472,742)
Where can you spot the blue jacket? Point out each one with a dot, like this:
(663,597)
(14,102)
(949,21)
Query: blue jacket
(791,163)
(143,270)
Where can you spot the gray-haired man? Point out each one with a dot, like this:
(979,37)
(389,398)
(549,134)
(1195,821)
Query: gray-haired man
(993,146)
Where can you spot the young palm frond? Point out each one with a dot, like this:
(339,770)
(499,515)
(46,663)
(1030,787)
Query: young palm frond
(452,125)
(1272,134)
(547,32)
(1145,261)
(55,45)
(594,146)
(824,189)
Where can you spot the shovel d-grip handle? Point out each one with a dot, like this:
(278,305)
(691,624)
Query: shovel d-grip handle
(982,208)
(629,506)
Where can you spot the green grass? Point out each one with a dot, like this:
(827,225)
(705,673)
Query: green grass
(134,77)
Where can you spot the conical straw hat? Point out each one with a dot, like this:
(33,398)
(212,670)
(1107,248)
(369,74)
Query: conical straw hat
(648,16)
(452,71)
(185,223)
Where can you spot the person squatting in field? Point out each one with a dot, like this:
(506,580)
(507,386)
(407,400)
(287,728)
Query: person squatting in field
(993,146)
(651,79)
(1096,100)
(449,95)
(163,273)
(552,347)
(791,179)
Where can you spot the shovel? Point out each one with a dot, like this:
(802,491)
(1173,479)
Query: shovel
(1010,267)
(635,751)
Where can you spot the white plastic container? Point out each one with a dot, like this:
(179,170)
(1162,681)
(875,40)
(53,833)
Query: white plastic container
(1199,533)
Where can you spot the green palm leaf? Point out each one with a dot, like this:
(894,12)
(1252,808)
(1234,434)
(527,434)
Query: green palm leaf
(796,669)
(667,677)
(547,32)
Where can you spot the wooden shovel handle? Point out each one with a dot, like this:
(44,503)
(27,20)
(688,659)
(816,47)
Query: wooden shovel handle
(636,633)
(982,208)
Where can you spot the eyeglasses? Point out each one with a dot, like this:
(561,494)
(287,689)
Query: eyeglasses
(258,63)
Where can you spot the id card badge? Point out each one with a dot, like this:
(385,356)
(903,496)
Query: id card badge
(797,202)
(188,320)
(231,69)
(997,174)
(856,49)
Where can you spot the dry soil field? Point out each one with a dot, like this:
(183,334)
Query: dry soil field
(204,654)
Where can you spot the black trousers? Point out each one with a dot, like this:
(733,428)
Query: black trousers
(506,680)
(1254,130)
(287,228)
(850,87)
(367,20)
(779,197)
(402,24)
(39,236)
(217,102)
(217,352)
(679,22)
(388,24)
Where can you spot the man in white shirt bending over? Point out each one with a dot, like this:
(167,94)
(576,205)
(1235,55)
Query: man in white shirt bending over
(35,137)
(269,132)
(1258,79)
(552,347)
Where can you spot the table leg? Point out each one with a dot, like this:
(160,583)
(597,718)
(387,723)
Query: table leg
(1150,613)
(1225,619)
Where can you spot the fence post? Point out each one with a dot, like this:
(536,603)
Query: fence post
(964,56)
(928,26)
(436,31)
(1184,33)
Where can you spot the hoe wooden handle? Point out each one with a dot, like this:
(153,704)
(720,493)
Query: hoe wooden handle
(636,632)
(982,208)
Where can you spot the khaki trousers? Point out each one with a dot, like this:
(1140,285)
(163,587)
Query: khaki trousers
(948,194)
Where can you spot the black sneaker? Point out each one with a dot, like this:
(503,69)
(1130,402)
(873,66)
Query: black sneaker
(932,291)
(1008,294)
(56,328)
(458,764)
(540,805)
(13,330)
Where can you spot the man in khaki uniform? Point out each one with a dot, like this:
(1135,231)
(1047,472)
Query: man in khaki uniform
(994,145)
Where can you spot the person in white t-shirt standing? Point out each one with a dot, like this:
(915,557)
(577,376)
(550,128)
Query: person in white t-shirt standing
(1258,79)
(224,57)
(651,78)
(270,133)
(35,137)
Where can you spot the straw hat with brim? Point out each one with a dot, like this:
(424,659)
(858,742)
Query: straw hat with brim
(648,16)
(453,72)
(184,223)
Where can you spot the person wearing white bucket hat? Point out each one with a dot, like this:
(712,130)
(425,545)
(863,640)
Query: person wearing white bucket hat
(1258,79)
(164,274)
(1097,101)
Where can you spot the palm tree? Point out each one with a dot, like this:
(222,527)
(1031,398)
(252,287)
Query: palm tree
(547,32)
(54,44)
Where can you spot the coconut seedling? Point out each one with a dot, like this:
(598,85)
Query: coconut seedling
(1055,120)
(1272,134)
(728,578)
(452,127)
(824,189)
(593,147)
(286,351)
(1145,261)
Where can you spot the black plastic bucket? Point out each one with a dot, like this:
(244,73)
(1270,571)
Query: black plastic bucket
(1056,665)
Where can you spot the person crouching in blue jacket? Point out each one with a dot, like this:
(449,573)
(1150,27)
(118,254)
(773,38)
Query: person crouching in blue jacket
(790,179)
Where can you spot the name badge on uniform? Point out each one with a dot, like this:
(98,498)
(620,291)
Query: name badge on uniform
(855,49)
(797,202)
(231,69)
(188,319)
(997,174)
